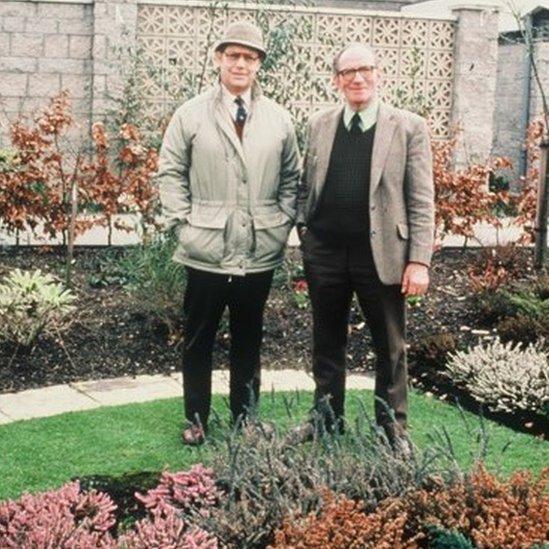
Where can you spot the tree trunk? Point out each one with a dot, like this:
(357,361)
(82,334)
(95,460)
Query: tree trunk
(540,256)
(71,231)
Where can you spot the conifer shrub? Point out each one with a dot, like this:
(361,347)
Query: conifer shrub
(525,329)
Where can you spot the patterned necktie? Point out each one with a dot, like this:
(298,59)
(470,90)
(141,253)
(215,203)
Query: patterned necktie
(356,124)
(241,113)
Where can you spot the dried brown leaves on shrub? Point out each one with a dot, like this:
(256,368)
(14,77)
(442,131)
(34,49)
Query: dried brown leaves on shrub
(496,267)
(50,173)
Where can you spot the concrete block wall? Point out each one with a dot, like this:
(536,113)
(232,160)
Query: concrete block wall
(44,47)
(475,76)
(510,103)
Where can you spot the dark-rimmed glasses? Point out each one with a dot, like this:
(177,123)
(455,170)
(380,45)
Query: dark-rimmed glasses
(348,75)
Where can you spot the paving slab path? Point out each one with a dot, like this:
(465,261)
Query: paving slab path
(85,395)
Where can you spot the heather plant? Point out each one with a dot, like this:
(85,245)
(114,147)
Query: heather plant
(504,377)
(32,303)
(65,518)
(514,300)
(165,529)
(186,491)
(476,511)
(268,480)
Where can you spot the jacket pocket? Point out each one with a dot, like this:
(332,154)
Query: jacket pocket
(271,230)
(203,237)
(402,230)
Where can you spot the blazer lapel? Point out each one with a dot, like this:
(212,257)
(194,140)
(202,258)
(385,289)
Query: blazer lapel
(385,127)
(325,144)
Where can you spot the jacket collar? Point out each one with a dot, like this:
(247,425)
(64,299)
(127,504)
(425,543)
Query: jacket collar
(225,124)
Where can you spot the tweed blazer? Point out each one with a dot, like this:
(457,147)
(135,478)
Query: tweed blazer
(401,191)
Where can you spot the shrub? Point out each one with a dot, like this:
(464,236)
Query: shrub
(496,267)
(505,377)
(518,300)
(66,519)
(269,480)
(166,529)
(432,350)
(155,281)
(342,524)
(186,491)
(525,329)
(480,508)
(31,303)
(542,287)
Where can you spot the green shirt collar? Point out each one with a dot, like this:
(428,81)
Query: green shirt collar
(368,116)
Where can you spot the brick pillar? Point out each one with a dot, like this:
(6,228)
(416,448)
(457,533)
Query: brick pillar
(115,24)
(541,58)
(475,76)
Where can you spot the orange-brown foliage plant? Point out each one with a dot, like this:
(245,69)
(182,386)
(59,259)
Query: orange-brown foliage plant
(38,189)
(462,197)
(496,267)
(527,199)
(513,514)
(125,183)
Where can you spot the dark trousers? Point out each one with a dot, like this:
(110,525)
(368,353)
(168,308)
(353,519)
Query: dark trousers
(206,297)
(336,271)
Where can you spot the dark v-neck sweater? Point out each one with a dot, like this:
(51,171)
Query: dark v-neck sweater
(342,213)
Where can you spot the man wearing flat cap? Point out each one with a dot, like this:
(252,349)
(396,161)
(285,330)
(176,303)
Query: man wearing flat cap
(228,177)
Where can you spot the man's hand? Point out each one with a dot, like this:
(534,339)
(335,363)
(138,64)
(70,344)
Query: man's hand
(415,279)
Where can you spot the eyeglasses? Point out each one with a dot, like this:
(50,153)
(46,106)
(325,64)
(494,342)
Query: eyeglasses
(233,58)
(348,75)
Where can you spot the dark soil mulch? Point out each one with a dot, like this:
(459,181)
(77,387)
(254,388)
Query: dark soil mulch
(122,490)
(109,336)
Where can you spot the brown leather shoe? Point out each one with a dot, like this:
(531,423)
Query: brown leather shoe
(193,435)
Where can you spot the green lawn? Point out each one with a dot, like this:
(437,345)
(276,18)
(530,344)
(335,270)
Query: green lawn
(44,453)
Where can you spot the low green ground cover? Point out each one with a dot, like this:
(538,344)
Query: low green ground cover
(44,453)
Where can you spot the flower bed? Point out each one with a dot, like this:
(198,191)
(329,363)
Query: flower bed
(264,494)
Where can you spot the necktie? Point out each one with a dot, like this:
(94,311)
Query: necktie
(356,124)
(241,113)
